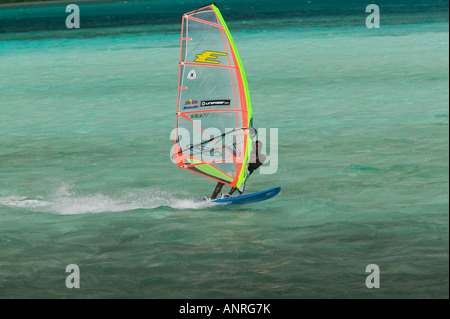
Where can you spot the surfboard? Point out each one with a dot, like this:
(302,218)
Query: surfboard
(249,198)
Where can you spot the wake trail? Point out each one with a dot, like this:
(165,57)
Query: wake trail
(64,201)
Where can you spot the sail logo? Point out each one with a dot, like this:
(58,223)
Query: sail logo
(192,75)
(199,115)
(208,56)
(215,103)
(191,104)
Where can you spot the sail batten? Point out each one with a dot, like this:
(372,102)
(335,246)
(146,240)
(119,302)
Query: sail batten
(214,114)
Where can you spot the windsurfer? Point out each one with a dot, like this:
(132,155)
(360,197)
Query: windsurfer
(255,161)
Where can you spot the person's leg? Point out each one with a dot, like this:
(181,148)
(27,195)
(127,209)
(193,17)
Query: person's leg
(232,190)
(217,190)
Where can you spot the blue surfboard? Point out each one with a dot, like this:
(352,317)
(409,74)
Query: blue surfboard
(249,198)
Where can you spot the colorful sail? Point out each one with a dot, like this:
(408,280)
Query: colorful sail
(214,114)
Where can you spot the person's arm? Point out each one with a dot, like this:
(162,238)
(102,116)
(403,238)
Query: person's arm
(262,158)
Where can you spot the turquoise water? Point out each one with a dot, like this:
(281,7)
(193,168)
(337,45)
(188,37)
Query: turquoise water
(86,177)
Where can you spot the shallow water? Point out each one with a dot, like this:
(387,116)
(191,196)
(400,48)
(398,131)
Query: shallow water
(86,178)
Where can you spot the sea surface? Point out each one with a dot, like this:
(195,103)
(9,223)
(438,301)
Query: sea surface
(362,154)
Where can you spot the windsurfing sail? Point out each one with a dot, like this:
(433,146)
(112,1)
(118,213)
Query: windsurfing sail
(213,134)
